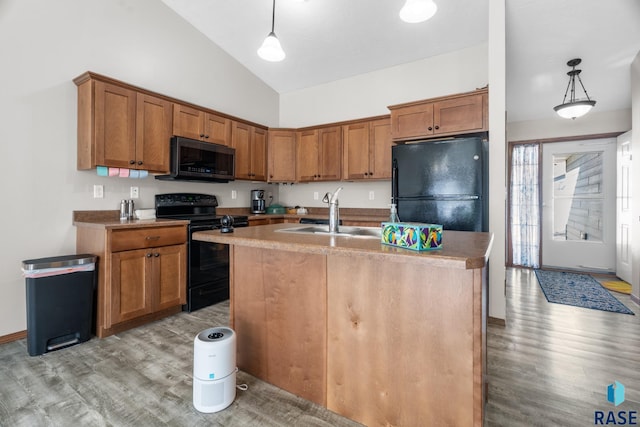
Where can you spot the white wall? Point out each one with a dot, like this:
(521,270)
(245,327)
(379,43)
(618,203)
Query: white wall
(497,158)
(592,124)
(369,94)
(43,46)
(353,194)
(635,177)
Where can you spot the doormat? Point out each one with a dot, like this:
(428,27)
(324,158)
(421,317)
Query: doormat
(617,286)
(580,290)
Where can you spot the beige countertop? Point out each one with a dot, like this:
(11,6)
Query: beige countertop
(346,214)
(110,220)
(461,249)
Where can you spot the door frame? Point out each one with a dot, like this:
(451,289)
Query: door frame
(540,142)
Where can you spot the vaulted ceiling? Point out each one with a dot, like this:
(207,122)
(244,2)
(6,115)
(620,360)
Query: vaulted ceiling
(327,40)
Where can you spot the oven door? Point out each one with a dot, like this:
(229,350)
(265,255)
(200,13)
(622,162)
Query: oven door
(208,275)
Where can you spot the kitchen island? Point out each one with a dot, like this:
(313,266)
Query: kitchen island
(382,335)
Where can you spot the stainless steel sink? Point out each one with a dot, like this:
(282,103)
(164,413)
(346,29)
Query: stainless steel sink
(361,232)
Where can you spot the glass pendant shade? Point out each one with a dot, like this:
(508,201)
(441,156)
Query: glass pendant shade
(575,109)
(271,50)
(415,11)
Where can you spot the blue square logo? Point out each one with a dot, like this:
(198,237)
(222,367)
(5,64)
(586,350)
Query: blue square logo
(615,393)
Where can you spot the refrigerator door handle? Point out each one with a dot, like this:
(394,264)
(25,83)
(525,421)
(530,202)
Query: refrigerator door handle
(394,182)
(442,197)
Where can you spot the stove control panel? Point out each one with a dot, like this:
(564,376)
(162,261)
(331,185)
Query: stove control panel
(186,199)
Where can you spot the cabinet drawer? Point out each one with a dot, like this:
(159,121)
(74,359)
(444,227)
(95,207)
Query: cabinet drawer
(138,238)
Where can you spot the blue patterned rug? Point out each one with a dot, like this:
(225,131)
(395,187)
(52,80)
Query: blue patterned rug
(580,290)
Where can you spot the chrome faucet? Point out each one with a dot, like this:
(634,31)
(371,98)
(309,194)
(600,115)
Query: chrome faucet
(334,212)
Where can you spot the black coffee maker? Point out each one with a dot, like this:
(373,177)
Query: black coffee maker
(257,202)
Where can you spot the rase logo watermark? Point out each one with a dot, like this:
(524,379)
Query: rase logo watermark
(615,396)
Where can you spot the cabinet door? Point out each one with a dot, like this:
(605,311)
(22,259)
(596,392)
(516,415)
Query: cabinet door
(154,120)
(307,155)
(115,125)
(282,156)
(330,153)
(130,280)
(188,122)
(169,276)
(356,151)
(241,141)
(259,154)
(456,115)
(217,129)
(413,121)
(380,149)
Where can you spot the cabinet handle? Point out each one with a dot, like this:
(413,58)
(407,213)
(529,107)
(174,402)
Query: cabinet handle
(149,255)
(156,255)
(202,135)
(132,162)
(206,136)
(429,128)
(139,162)
(366,173)
(437,127)
(152,237)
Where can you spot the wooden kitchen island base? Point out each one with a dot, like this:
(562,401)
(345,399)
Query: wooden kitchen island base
(383,336)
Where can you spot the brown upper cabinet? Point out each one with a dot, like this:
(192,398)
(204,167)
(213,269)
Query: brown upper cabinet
(201,125)
(450,115)
(120,127)
(250,143)
(281,155)
(319,154)
(367,150)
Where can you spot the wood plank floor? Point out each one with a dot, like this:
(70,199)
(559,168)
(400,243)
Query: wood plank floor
(549,366)
(552,363)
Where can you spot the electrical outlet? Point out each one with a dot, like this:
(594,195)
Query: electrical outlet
(98,191)
(316,196)
(134,192)
(371,195)
(234,194)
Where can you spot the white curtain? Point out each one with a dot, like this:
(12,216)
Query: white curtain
(525,207)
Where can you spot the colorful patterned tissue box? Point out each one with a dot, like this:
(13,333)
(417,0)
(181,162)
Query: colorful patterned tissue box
(412,235)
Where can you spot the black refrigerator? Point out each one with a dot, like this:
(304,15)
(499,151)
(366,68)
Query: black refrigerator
(442,182)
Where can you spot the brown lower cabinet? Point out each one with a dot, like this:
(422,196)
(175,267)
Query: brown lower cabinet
(141,274)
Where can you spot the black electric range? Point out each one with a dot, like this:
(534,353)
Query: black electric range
(208,263)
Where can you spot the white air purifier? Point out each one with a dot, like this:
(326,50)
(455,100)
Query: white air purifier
(214,369)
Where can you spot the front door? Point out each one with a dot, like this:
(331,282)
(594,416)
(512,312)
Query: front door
(623,208)
(578,208)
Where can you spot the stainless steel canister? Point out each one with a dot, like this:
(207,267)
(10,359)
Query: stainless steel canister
(130,209)
(124,214)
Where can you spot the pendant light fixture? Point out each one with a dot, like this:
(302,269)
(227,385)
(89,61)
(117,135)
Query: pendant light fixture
(415,11)
(271,49)
(574,108)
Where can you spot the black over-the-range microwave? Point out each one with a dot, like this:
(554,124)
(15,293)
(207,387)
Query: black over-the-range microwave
(193,160)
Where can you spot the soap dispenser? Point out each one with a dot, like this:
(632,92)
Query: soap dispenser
(393,213)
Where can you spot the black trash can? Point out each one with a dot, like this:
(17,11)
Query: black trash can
(59,301)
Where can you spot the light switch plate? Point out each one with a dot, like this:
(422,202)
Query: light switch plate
(98,191)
